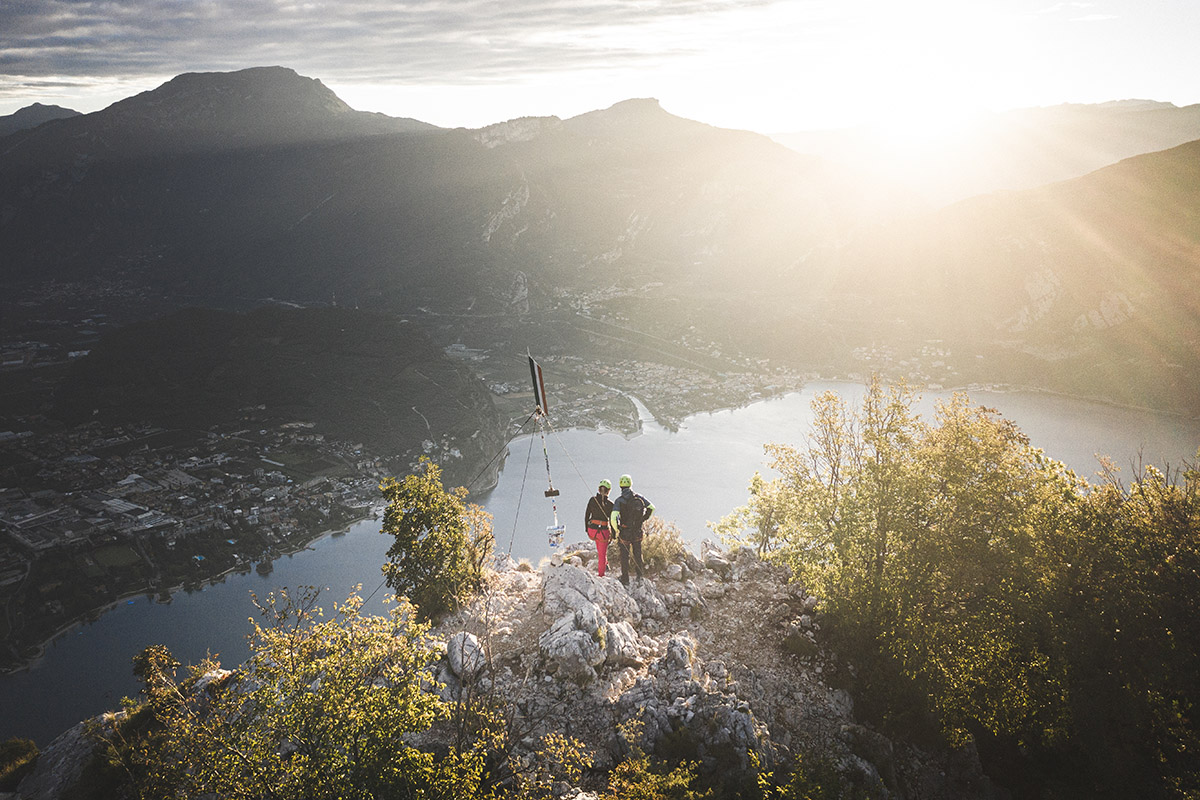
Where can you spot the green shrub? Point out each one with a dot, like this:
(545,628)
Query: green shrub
(663,544)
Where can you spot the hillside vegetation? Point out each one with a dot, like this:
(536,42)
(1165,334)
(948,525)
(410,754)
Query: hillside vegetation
(357,376)
(986,593)
(228,188)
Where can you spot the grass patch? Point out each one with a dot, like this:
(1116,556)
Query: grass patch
(117,555)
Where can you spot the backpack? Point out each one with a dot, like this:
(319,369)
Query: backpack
(633,512)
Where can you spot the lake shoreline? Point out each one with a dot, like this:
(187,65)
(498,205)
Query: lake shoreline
(696,474)
(94,614)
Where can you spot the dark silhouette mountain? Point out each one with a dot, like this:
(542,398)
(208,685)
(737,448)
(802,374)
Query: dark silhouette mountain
(1018,149)
(31,116)
(204,112)
(630,193)
(358,376)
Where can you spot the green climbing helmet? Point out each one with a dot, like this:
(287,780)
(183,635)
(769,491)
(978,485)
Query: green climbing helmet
(625,481)
(605,484)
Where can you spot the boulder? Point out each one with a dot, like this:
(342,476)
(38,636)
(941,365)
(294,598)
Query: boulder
(622,646)
(576,652)
(681,650)
(503,562)
(686,600)
(692,564)
(719,564)
(567,588)
(465,655)
(61,764)
(651,604)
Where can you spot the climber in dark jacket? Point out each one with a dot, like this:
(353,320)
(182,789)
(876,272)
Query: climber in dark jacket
(596,521)
(629,512)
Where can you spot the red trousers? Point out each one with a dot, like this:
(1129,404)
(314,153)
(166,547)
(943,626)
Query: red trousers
(602,551)
(600,536)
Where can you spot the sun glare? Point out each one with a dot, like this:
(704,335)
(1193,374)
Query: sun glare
(919,130)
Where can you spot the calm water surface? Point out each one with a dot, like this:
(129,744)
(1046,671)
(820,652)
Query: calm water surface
(693,476)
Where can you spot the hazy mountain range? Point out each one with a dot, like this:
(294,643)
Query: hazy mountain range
(233,186)
(1018,149)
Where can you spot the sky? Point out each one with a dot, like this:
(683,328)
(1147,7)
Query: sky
(766,65)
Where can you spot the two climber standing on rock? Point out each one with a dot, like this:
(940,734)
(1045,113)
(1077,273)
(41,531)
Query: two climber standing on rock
(629,512)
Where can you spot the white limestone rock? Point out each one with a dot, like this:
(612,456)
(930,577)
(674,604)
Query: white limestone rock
(576,651)
(465,655)
(567,588)
(622,646)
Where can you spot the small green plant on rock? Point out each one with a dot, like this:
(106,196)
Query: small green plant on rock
(663,544)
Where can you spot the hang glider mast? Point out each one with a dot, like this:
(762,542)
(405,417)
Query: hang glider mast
(554,532)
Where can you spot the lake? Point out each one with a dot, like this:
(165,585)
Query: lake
(694,475)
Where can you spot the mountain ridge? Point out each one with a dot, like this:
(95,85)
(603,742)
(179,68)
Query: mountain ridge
(1011,150)
(631,214)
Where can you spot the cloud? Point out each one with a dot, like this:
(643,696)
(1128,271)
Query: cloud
(368,40)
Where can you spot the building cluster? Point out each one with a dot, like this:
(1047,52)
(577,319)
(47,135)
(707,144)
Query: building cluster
(594,393)
(141,480)
(207,501)
(930,367)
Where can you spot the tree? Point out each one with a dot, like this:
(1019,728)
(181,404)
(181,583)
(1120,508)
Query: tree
(442,542)
(322,709)
(17,758)
(970,579)
(920,537)
(1123,593)
(755,524)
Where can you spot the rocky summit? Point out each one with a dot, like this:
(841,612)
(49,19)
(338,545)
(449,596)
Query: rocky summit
(715,658)
(717,655)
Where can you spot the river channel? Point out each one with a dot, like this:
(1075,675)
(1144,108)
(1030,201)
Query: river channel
(694,475)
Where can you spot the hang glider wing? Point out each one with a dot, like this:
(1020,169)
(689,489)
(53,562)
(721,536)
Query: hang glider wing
(539,386)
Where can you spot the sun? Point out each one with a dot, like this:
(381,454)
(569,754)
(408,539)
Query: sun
(918,128)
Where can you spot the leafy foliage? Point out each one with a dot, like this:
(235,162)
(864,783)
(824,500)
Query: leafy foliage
(640,776)
(803,781)
(662,543)
(755,524)
(1122,586)
(442,543)
(321,709)
(978,585)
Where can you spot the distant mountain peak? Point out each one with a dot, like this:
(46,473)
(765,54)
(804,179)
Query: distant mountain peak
(33,115)
(210,111)
(255,97)
(637,104)
(637,116)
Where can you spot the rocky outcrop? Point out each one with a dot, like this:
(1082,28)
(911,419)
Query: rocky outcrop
(61,764)
(718,659)
(715,658)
